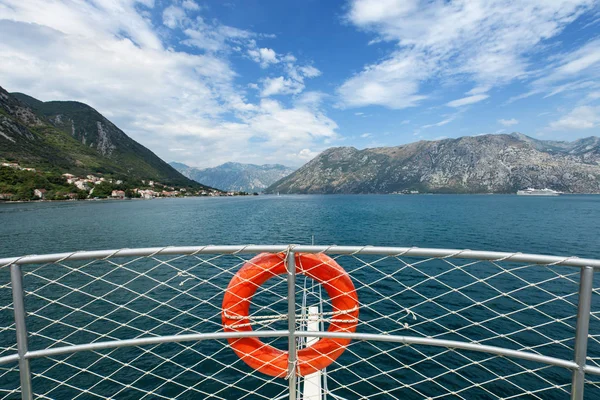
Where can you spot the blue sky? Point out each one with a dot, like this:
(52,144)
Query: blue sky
(205,82)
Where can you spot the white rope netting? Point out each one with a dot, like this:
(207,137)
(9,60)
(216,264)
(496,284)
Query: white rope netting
(498,303)
(9,373)
(593,358)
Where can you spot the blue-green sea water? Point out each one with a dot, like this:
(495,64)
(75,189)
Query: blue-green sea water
(564,225)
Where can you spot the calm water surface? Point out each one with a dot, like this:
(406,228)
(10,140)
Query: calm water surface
(565,225)
(553,225)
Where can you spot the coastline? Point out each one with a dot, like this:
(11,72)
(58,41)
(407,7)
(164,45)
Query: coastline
(291,194)
(93,200)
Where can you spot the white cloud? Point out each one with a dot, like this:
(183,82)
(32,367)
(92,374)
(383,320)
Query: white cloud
(190,5)
(364,12)
(467,100)
(215,37)
(204,40)
(293,83)
(478,90)
(571,87)
(211,36)
(110,57)
(508,122)
(366,135)
(263,56)
(173,16)
(289,58)
(583,117)
(593,95)
(310,71)
(101,20)
(280,85)
(307,154)
(268,55)
(486,42)
(278,124)
(579,60)
(440,123)
(393,83)
(312,100)
(567,73)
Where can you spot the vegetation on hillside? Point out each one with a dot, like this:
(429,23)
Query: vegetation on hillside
(87,126)
(71,137)
(20,185)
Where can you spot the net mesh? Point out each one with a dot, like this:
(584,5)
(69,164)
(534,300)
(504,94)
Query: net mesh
(497,303)
(9,373)
(593,356)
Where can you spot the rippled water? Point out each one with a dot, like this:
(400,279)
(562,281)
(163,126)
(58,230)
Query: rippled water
(565,225)
(553,225)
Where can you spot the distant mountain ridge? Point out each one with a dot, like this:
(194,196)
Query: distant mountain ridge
(471,164)
(233,176)
(69,136)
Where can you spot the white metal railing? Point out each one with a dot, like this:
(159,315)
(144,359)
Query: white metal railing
(146,323)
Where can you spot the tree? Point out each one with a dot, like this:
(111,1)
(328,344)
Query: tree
(56,179)
(25,193)
(131,194)
(103,190)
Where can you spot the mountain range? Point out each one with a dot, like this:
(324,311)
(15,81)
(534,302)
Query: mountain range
(500,163)
(68,136)
(236,177)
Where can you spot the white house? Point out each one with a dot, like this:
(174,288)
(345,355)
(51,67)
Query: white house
(11,165)
(82,185)
(39,193)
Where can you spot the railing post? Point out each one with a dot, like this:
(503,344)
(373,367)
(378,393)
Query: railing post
(586,282)
(291,281)
(16,278)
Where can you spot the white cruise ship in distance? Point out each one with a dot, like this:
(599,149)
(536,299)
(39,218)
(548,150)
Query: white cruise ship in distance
(537,192)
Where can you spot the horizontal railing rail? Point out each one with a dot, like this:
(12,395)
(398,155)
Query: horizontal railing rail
(451,344)
(431,280)
(572,261)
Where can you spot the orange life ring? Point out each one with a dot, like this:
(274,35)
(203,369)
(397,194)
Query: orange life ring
(266,358)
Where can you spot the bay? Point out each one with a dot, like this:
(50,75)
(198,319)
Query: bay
(563,225)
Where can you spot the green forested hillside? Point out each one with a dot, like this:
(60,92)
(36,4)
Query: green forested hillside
(67,136)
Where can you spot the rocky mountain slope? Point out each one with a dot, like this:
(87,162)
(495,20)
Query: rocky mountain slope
(235,176)
(478,164)
(67,136)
